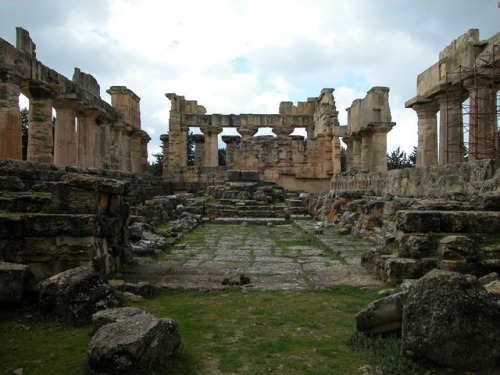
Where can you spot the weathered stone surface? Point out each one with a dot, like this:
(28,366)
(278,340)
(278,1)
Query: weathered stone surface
(383,315)
(103,317)
(75,295)
(457,248)
(450,319)
(14,280)
(11,183)
(141,288)
(133,344)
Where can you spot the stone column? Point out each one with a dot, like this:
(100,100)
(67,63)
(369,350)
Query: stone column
(336,155)
(164,143)
(211,146)
(450,128)
(232,142)
(10,119)
(247,132)
(126,161)
(86,136)
(103,144)
(427,149)
(199,149)
(65,146)
(366,146)
(41,136)
(144,151)
(378,154)
(356,151)
(482,123)
(116,146)
(135,151)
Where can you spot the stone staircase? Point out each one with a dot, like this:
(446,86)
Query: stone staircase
(253,202)
(460,236)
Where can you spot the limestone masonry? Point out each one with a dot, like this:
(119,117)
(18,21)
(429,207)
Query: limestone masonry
(88,132)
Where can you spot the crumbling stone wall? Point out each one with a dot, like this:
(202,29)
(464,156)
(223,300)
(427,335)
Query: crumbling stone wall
(88,132)
(464,81)
(294,162)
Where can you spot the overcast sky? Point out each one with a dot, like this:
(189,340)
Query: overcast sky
(237,56)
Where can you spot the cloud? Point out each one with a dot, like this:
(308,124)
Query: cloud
(246,56)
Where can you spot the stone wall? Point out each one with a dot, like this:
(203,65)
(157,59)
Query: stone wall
(426,182)
(141,187)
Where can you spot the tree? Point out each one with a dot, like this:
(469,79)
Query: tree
(156,167)
(343,159)
(222,156)
(24,132)
(397,159)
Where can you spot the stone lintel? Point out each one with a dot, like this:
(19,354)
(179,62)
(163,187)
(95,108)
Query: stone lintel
(255,120)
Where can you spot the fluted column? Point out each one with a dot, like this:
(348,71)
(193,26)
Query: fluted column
(366,146)
(450,128)
(135,151)
(482,123)
(211,146)
(232,142)
(65,135)
(86,136)
(10,119)
(103,144)
(349,153)
(336,155)
(41,136)
(378,152)
(199,149)
(427,149)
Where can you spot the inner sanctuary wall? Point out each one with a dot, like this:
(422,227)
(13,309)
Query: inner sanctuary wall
(88,132)
(295,162)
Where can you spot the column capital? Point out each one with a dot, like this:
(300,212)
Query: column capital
(198,138)
(39,90)
(231,139)
(283,131)
(210,130)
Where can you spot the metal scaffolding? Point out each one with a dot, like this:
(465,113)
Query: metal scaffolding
(475,134)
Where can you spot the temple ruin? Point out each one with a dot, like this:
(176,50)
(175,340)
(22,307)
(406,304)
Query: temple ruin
(292,161)
(463,88)
(88,132)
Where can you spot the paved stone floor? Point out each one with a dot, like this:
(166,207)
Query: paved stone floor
(274,257)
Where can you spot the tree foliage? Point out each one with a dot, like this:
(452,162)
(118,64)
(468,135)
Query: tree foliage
(398,159)
(24,132)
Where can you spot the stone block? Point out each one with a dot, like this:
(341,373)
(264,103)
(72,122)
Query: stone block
(14,281)
(450,318)
(382,316)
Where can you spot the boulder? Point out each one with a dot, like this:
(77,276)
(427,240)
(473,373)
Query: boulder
(142,288)
(451,319)
(132,344)
(14,281)
(383,315)
(103,317)
(75,295)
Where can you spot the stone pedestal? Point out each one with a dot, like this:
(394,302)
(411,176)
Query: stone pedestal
(10,120)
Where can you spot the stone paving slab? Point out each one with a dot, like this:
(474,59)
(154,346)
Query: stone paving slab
(274,257)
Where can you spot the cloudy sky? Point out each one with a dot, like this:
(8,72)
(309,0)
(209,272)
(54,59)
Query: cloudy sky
(246,56)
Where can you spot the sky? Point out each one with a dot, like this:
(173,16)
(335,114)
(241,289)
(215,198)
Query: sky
(246,56)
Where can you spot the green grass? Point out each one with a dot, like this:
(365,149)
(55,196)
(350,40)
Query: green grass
(231,331)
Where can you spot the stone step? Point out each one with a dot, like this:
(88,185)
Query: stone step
(295,202)
(300,217)
(410,221)
(249,220)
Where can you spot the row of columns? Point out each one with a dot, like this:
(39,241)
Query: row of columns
(450,149)
(367,149)
(82,136)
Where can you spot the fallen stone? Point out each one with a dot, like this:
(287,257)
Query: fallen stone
(381,316)
(451,319)
(75,295)
(131,345)
(11,183)
(14,281)
(493,287)
(101,318)
(132,297)
(142,288)
(486,279)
